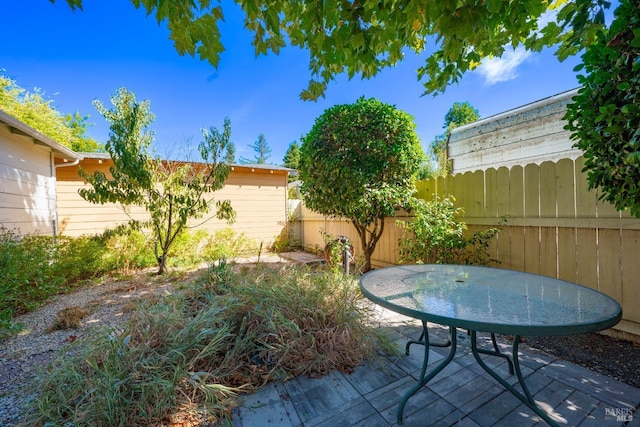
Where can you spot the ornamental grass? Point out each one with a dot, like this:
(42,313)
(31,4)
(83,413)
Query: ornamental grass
(185,359)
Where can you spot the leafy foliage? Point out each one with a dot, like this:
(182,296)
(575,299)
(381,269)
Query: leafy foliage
(262,150)
(358,162)
(364,37)
(38,112)
(604,116)
(172,192)
(436,236)
(36,267)
(194,351)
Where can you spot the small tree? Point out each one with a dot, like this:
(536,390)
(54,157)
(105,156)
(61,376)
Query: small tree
(230,157)
(171,192)
(263,152)
(358,162)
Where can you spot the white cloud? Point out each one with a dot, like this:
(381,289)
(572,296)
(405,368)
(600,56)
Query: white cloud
(505,68)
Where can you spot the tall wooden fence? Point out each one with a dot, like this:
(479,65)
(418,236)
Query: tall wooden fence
(555,227)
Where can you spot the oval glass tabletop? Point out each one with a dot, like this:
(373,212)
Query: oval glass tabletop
(491,299)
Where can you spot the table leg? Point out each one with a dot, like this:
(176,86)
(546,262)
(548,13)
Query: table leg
(496,352)
(421,341)
(424,378)
(524,397)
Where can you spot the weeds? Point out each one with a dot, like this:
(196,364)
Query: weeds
(33,268)
(189,355)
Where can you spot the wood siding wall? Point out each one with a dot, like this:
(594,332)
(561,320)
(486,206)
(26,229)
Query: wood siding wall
(555,227)
(257,195)
(27,185)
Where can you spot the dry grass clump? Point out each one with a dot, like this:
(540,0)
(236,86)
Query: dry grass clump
(68,318)
(185,358)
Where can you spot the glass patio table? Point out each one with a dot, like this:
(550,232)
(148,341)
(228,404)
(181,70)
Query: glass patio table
(491,300)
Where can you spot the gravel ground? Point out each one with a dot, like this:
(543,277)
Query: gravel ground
(22,356)
(600,353)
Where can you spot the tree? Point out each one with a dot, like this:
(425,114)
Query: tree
(38,112)
(364,37)
(459,114)
(231,153)
(263,152)
(604,117)
(358,162)
(292,156)
(171,192)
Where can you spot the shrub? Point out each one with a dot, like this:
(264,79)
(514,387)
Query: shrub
(28,271)
(437,237)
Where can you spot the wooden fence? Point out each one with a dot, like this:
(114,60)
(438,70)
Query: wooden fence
(555,227)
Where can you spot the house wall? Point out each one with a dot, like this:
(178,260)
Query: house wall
(258,195)
(533,133)
(27,185)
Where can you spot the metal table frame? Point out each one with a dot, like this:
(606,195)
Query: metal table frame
(474,327)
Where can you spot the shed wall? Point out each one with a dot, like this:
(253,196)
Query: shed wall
(257,195)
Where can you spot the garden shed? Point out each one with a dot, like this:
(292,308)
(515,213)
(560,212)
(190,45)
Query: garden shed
(258,194)
(29,162)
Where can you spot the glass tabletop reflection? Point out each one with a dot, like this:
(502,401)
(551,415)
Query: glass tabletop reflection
(491,299)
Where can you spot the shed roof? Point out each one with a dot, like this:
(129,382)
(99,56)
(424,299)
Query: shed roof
(252,167)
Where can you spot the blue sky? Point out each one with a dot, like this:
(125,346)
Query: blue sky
(78,57)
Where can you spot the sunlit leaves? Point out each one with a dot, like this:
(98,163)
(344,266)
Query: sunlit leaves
(360,38)
(604,117)
(37,111)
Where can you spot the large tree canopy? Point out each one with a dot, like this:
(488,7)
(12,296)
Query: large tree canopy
(34,109)
(359,162)
(361,37)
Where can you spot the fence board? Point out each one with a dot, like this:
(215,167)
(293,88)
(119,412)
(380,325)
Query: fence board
(532,191)
(502,191)
(587,257)
(516,192)
(478,194)
(630,274)
(567,269)
(585,199)
(565,201)
(518,250)
(491,198)
(547,190)
(532,250)
(548,252)
(609,263)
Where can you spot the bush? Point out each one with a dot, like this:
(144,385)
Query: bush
(28,271)
(437,237)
